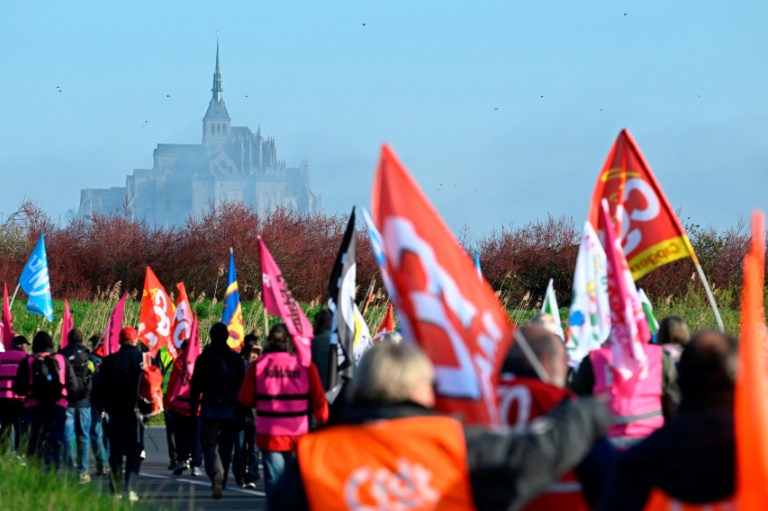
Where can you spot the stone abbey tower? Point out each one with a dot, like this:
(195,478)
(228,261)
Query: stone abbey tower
(231,164)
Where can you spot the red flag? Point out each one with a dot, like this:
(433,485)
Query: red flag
(387,324)
(651,233)
(6,328)
(629,329)
(751,407)
(279,301)
(182,322)
(156,314)
(442,305)
(180,393)
(67,324)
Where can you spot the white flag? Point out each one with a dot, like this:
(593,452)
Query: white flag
(550,307)
(589,320)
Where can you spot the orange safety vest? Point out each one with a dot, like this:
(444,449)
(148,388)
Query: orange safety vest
(660,501)
(418,463)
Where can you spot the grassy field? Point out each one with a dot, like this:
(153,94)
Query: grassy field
(91,317)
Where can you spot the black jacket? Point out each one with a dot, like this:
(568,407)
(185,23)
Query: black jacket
(21,383)
(321,357)
(116,389)
(691,458)
(72,353)
(217,377)
(506,469)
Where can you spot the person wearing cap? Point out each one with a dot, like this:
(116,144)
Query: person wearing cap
(116,392)
(99,446)
(45,411)
(11,403)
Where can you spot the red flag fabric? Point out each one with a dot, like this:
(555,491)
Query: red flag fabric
(751,407)
(387,324)
(182,322)
(180,393)
(629,329)
(6,328)
(156,314)
(66,325)
(651,233)
(279,301)
(442,305)
(111,342)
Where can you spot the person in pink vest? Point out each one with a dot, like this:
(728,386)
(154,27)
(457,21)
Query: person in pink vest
(284,394)
(639,406)
(11,403)
(45,379)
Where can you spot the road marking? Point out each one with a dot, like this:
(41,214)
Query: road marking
(207,485)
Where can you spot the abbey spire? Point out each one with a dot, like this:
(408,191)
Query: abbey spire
(216,123)
(217,90)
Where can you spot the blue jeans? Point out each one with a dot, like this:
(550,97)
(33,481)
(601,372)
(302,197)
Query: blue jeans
(99,443)
(44,425)
(274,466)
(77,430)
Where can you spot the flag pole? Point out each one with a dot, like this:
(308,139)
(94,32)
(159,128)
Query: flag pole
(531,356)
(266,323)
(14,295)
(710,297)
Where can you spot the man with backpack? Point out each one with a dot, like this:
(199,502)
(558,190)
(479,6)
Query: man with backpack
(216,380)
(11,403)
(45,379)
(116,392)
(77,428)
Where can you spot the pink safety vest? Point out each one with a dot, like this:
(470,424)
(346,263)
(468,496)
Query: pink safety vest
(9,366)
(634,404)
(282,395)
(62,401)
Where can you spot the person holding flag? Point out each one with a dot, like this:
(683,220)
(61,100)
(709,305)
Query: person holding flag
(232,316)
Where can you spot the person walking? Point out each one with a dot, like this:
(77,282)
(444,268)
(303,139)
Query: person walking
(11,404)
(245,464)
(216,379)
(321,346)
(166,366)
(99,443)
(186,431)
(284,394)
(116,392)
(45,379)
(77,428)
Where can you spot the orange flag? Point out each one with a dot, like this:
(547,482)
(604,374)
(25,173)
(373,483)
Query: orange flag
(651,233)
(156,314)
(751,409)
(442,305)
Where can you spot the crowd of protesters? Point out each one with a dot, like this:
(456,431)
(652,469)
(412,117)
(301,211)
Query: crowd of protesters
(572,441)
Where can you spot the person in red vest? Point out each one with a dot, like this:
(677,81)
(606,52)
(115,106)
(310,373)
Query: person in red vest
(45,378)
(523,397)
(390,450)
(11,403)
(284,394)
(689,463)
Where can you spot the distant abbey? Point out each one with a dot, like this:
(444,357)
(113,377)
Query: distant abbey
(232,164)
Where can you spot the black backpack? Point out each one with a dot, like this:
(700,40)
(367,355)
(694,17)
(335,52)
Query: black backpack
(80,365)
(220,394)
(46,381)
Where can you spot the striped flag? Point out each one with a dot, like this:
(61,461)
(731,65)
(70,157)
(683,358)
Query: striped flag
(232,316)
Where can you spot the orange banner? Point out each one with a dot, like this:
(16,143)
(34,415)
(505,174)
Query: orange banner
(442,305)
(156,314)
(651,233)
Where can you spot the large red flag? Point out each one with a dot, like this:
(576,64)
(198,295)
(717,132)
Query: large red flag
(279,301)
(751,409)
(156,314)
(182,322)
(7,325)
(66,325)
(180,393)
(651,233)
(442,305)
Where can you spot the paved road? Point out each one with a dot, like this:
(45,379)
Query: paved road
(160,489)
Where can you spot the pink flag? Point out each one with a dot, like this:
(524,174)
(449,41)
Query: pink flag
(112,337)
(279,301)
(67,325)
(629,329)
(6,329)
(180,393)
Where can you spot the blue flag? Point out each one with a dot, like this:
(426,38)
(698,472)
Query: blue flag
(477,264)
(35,282)
(232,316)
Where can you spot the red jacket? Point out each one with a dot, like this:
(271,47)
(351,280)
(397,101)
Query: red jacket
(317,403)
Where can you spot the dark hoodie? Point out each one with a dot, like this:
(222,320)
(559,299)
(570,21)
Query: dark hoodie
(43,343)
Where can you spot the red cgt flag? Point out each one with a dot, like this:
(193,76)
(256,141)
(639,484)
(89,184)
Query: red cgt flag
(182,322)
(751,407)
(442,305)
(156,314)
(651,233)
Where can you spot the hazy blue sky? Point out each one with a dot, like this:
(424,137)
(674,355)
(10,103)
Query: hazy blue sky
(689,79)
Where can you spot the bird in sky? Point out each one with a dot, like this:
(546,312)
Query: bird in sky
(167,95)
(625,14)
(59,90)
(698,96)
(58,87)
(541,97)
(495,109)
(363,24)
(246,95)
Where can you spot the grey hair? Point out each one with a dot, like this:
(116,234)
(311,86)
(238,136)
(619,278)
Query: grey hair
(389,373)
